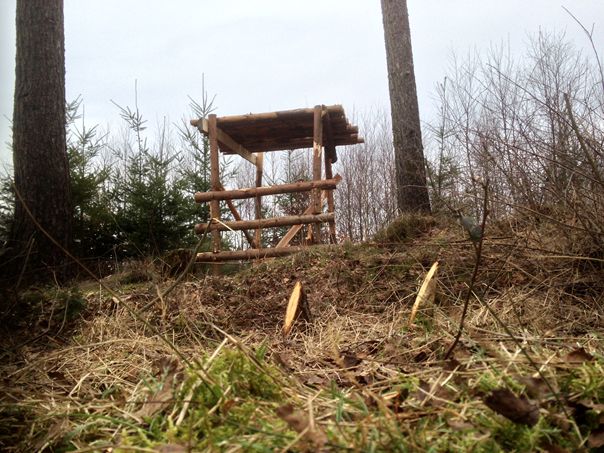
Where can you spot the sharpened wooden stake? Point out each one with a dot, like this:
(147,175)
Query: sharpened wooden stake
(426,293)
(297,306)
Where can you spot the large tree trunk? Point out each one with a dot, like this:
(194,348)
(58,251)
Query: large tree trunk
(39,144)
(412,191)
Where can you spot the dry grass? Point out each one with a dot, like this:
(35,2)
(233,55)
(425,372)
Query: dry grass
(355,378)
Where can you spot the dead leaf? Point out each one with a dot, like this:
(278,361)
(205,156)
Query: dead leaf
(535,387)
(282,360)
(56,431)
(432,395)
(300,423)
(459,425)
(518,410)
(579,355)
(394,400)
(315,380)
(596,438)
(160,400)
(452,365)
(350,360)
(426,293)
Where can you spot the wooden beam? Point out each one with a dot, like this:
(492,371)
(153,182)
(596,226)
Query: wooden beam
(272,222)
(258,199)
(295,114)
(249,254)
(330,147)
(237,216)
(225,139)
(251,192)
(330,200)
(286,239)
(288,143)
(214,184)
(316,163)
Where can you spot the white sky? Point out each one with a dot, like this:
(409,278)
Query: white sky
(261,55)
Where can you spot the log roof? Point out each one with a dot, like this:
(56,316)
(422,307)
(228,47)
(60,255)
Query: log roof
(283,130)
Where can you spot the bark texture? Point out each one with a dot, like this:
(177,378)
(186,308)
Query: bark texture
(412,191)
(39,144)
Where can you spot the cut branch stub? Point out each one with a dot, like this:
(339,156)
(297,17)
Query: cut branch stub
(297,306)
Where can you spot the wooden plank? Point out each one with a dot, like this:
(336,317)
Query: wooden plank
(284,143)
(286,239)
(283,114)
(258,199)
(249,254)
(225,139)
(251,192)
(272,222)
(330,147)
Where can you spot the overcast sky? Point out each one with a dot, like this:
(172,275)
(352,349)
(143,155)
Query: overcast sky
(262,55)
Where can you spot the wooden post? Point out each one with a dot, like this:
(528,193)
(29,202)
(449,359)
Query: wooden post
(330,200)
(214,183)
(316,164)
(258,199)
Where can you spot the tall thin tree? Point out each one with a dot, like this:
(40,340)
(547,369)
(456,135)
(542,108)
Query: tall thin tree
(39,144)
(412,190)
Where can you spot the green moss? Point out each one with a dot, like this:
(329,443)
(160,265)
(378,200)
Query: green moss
(406,227)
(586,382)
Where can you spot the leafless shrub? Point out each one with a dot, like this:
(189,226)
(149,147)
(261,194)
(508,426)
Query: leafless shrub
(365,199)
(533,127)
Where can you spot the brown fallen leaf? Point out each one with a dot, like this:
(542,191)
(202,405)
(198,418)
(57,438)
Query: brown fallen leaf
(459,425)
(57,430)
(579,355)
(299,422)
(535,387)
(394,400)
(350,360)
(160,399)
(596,438)
(282,360)
(315,380)
(518,410)
(435,396)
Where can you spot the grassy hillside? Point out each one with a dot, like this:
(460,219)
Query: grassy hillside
(207,368)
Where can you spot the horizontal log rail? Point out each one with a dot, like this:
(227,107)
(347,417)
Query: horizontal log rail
(249,254)
(272,222)
(239,194)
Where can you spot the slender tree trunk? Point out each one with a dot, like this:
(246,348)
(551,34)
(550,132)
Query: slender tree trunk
(412,190)
(39,143)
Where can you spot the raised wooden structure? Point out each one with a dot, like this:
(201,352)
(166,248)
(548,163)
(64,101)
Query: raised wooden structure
(321,128)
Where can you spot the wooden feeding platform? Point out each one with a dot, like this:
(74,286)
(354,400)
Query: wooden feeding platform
(321,128)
